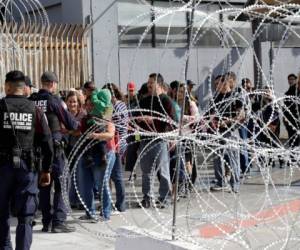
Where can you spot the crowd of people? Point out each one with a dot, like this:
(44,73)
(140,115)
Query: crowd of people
(141,118)
(126,131)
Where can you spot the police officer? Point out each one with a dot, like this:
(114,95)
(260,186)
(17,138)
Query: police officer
(57,115)
(22,128)
(28,86)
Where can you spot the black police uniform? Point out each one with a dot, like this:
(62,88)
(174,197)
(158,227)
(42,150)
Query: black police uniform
(56,114)
(22,128)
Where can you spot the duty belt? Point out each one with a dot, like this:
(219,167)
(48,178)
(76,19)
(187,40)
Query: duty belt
(8,156)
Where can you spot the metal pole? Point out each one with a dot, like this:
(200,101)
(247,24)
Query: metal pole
(257,61)
(13,37)
(190,23)
(178,148)
(271,58)
(153,29)
(92,41)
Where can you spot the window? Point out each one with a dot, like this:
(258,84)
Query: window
(171,24)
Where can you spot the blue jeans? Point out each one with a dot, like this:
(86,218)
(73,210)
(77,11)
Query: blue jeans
(227,159)
(244,156)
(156,156)
(91,176)
(117,177)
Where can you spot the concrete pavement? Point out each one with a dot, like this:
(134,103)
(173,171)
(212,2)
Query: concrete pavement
(260,216)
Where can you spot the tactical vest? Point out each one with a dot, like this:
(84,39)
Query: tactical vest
(43,102)
(21,114)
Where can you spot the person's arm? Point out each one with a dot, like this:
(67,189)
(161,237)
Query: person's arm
(194,113)
(104,136)
(64,116)
(43,139)
(194,109)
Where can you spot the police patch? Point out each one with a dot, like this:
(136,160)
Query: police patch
(42,104)
(20,121)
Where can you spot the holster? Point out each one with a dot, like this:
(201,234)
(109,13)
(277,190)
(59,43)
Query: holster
(38,159)
(58,147)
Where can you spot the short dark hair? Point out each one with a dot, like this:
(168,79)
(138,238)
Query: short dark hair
(244,81)
(158,77)
(217,77)
(89,85)
(15,76)
(143,90)
(292,75)
(174,85)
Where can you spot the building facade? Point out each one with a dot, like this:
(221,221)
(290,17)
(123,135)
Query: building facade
(132,38)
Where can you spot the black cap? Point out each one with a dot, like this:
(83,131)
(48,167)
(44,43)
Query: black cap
(190,82)
(28,81)
(15,77)
(292,75)
(49,76)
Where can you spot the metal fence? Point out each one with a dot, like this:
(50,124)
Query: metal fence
(33,49)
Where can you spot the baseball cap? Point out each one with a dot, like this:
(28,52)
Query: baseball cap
(15,77)
(49,76)
(190,82)
(131,86)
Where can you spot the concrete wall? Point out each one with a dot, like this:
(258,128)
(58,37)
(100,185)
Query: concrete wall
(105,45)
(286,61)
(47,3)
(72,11)
(55,14)
(112,64)
(64,11)
(136,64)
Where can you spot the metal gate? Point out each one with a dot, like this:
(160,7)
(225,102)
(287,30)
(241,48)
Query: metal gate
(33,49)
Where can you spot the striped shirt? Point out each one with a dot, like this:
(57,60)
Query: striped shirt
(120,118)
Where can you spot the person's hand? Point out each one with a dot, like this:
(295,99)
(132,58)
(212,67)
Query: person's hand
(94,136)
(145,118)
(241,116)
(45,179)
(64,130)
